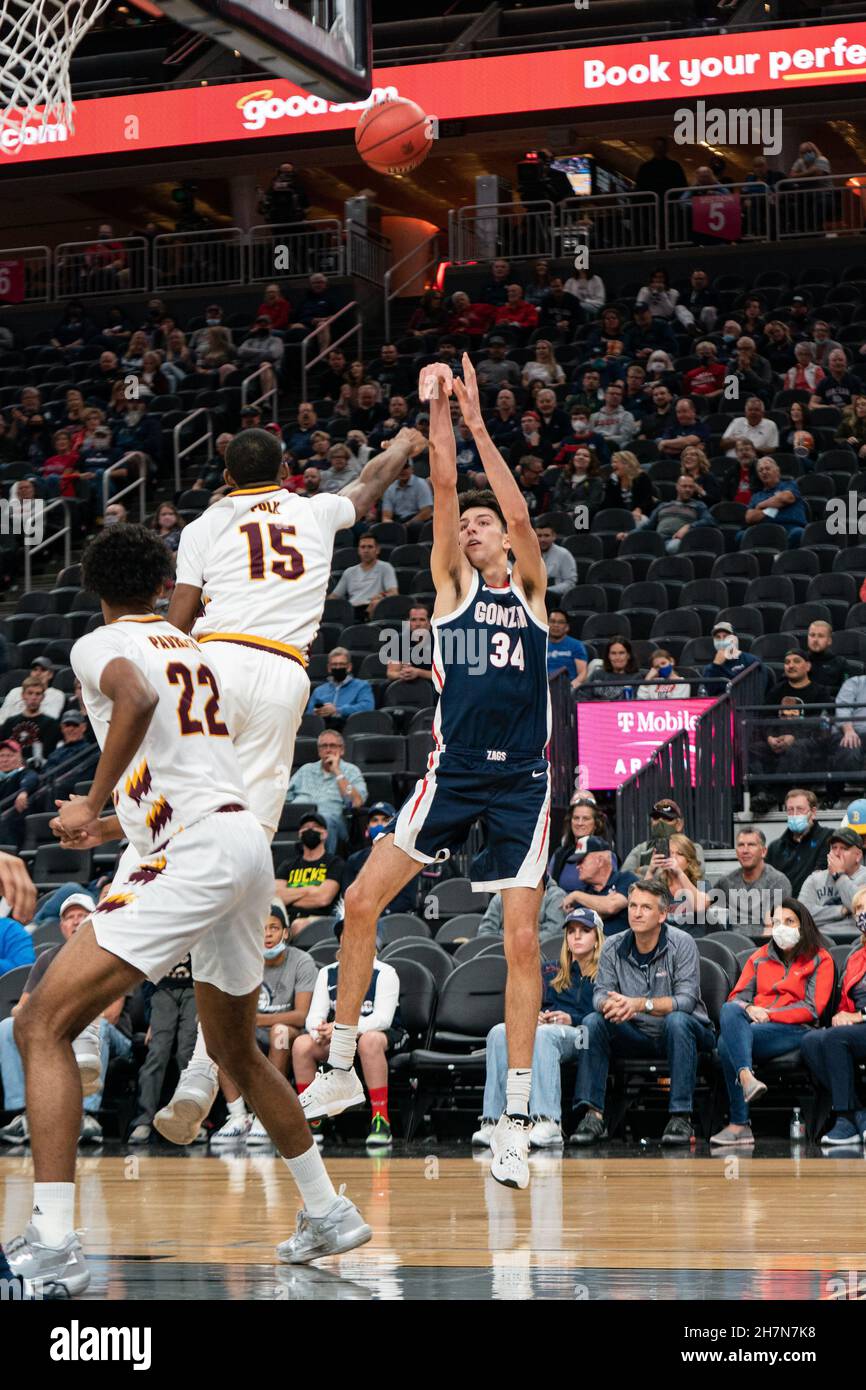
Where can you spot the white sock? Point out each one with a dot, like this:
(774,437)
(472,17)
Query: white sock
(53,1212)
(237,1107)
(344,1041)
(518,1085)
(200,1050)
(314,1185)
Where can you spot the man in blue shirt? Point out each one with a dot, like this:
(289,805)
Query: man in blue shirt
(564,652)
(728,661)
(299,437)
(601,886)
(16,945)
(342,693)
(778,502)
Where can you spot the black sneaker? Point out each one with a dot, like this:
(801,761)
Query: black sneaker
(591,1129)
(678,1130)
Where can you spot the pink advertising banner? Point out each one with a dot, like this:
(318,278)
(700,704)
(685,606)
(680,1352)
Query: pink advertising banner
(615,738)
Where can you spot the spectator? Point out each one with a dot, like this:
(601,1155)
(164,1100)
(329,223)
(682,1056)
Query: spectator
(398,416)
(408,500)
(170,1037)
(553,421)
(629,487)
(380,1035)
(559,563)
(364,584)
(331,784)
(589,395)
(707,379)
(579,483)
(113,1034)
(567,990)
(369,411)
(275,308)
(852,426)
(319,303)
(179,361)
(35,732)
(741,479)
(839,387)
(600,885)
(609,328)
(416,643)
(761,432)
(42,669)
(210,474)
(695,465)
(582,435)
(564,653)
(544,366)
(105,264)
(310,884)
(662,300)
(655,423)
(828,669)
(798,681)
(379,818)
(679,872)
(803,844)
(16,949)
(168,524)
(701,302)
(647,1002)
(778,347)
(589,291)
(753,374)
(751,893)
(262,348)
(431,318)
(811,164)
(74,331)
(284,200)
(850,711)
(613,422)
(611,364)
(659,174)
(331,378)
(585,817)
(830,1053)
(495,291)
(618,662)
(560,312)
(777,501)
(529,476)
(805,375)
(645,335)
(214,352)
(673,520)
(662,681)
(341,469)
(115,515)
(392,376)
(342,693)
(782,992)
(636,399)
(551,914)
(74,729)
(728,661)
(496,369)
(139,437)
(504,425)
(516,314)
(468,320)
(666,820)
(829,893)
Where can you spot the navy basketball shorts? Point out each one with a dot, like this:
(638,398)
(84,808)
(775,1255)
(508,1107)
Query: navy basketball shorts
(511,799)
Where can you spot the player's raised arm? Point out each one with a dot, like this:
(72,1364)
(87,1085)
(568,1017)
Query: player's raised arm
(524,542)
(448,565)
(380,472)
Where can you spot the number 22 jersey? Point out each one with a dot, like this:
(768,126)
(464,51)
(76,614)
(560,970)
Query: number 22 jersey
(185,767)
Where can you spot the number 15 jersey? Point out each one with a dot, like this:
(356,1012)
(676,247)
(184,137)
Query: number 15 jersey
(262,557)
(185,767)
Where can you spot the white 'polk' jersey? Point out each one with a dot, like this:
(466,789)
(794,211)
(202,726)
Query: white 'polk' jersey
(262,558)
(186,766)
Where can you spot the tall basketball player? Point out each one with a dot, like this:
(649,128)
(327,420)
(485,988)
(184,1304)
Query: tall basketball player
(259,561)
(491,730)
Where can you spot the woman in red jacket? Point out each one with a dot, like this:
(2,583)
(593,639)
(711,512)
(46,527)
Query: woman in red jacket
(830,1053)
(784,989)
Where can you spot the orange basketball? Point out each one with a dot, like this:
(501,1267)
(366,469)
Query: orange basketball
(393,136)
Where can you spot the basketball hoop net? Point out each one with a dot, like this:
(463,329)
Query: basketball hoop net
(37,41)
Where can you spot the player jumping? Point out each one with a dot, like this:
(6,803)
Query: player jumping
(196,877)
(491,730)
(259,560)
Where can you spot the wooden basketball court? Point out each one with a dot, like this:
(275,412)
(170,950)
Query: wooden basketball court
(589,1227)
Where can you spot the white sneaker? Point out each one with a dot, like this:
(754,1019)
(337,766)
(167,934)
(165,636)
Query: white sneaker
(546,1134)
(140,1135)
(342,1228)
(331,1093)
(189,1107)
(235,1129)
(91,1130)
(509,1144)
(86,1049)
(257,1134)
(483,1134)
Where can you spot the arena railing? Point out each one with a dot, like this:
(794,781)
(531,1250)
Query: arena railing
(563,746)
(82,269)
(64,534)
(268,396)
(666,773)
(367,253)
(138,485)
(410,271)
(178,452)
(608,222)
(744,212)
(831,204)
(322,334)
(187,260)
(514,230)
(25,269)
(308,247)
(815,758)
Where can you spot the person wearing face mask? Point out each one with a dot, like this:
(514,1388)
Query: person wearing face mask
(783,991)
(831,1053)
(803,845)
(288,981)
(661,681)
(707,379)
(581,435)
(728,661)
(311,884)
(342,693)
(829,893)
(379,817)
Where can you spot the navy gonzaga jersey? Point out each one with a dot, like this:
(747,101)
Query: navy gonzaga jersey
(490,668)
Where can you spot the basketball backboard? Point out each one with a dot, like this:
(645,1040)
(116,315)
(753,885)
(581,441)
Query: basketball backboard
(324,46)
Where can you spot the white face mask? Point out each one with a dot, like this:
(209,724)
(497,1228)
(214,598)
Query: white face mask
(785,937)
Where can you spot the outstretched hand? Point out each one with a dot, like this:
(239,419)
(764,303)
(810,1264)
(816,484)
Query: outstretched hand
(466,392)
(429,380)
(414,439)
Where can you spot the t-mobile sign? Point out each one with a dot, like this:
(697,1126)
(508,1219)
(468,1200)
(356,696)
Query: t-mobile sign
(615,738)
